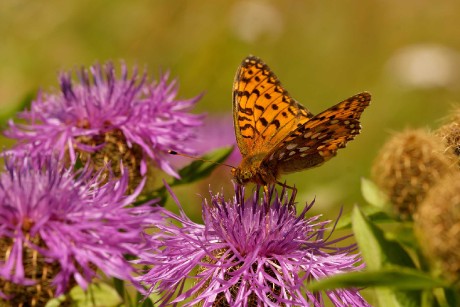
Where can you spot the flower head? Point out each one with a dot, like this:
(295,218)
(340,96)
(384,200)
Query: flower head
(57,228)
(437,224)
(249,252)
(408,166)
(104,118)
(450,133)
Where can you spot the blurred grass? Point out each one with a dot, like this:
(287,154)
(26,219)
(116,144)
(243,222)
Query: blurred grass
(322,51)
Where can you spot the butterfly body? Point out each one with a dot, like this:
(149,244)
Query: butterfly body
(277,135)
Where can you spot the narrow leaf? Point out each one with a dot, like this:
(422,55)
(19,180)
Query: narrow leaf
(147,302)
(201,169)
(119,286)
(160,195)
(97,294)
(452,297)
(193,172)
(372,213)
(372,194)
(378,253)
(376,250)
(393,278)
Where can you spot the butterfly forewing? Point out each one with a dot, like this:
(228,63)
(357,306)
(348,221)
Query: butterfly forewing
(263,112)
(318,139)
(275,134)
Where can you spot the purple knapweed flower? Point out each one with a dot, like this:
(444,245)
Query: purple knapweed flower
(248,252)
(104,118)
(58,228)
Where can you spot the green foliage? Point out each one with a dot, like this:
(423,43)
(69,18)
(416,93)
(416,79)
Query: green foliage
(377,251)
(372,213)
(97,294)
(373,195)
(396,268)
(392,278)
(377,209)
(202,167)
(380,253)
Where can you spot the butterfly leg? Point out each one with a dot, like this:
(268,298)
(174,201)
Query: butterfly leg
(266,189)
(294,189)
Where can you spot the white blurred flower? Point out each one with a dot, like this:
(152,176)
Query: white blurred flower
(425,66)
(251,20)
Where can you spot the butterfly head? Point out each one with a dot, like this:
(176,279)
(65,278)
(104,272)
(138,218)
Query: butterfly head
(242,176)
(250,171)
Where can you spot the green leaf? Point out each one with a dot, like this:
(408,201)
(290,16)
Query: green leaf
(144,302)
(396,278)
(396,285)
(193,172)
(160,194)
(119,286)
(97,294)
(373,195)
(452,297)
(389,297)
(200,169)
(404,235)
(56,302)
(376,250)
(372,213)
(381,253)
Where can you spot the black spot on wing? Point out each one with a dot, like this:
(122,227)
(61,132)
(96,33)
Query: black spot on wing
(264,121)
(243,93)
(247,111)
(244,118)
(258,107)
(246,127)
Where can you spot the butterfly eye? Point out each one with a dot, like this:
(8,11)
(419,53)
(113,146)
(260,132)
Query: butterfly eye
(247,175)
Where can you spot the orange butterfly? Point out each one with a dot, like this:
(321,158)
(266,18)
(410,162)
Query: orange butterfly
(277,135)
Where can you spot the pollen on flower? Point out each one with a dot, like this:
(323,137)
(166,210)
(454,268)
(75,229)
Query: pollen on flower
(450,134)
(113,150)
(36,269)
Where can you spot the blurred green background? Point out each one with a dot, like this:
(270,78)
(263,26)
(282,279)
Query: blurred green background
(406,53)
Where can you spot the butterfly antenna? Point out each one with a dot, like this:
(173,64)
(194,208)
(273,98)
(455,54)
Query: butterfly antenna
(175,153)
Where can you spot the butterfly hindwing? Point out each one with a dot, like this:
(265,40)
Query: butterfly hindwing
(275,134)
(318,139)
(263,112)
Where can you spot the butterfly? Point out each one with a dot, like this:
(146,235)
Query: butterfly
(277,135)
